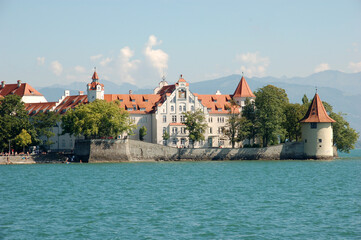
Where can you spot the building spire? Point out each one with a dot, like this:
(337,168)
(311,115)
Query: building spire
(95,75)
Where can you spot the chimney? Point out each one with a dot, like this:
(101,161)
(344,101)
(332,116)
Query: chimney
(19,83)
(218,92)
(66,93)
(2,84)
(81,93)
(130,92)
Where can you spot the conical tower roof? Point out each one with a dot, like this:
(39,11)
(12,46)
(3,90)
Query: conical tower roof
(95,76)
(243,89)
(316,112)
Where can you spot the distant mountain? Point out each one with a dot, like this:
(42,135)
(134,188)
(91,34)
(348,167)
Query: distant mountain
(341,90)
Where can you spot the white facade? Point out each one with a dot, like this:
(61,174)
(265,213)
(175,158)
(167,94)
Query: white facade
(318,139)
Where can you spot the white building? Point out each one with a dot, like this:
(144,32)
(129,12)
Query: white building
(158,112)
(27,93)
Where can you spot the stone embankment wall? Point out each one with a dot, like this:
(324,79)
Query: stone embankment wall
(132,150)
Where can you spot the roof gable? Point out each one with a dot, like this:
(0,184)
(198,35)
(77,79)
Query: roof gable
(316,112)
(24,90)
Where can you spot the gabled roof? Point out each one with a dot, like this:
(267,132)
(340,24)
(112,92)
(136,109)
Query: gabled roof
(71,102)
(24,90)
(93,85)
(35,108)
(135,103)
(166,89)
(216,104)
(243,89)
(316,112)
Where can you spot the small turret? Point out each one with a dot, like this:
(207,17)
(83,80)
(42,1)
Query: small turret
(242,92)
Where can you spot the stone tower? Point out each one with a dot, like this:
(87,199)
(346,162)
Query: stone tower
(317,134)
(95,90)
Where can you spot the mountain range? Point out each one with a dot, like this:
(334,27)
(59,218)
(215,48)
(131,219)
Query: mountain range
(341,90)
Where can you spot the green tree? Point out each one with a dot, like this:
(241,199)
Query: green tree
(195,124)
(294,113)
(23,139)
(142,133)
(166,136)
(251,125)
(43,124)
(344,137)
(97,119)
(270,104)
(236,128)
(13,118)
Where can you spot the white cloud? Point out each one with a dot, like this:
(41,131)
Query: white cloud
(93,58)
(126,65)
(322,67)
(56,67)
(105,61)
(355,66)
(157,57)
(79,69)
(253,64)
(40,60)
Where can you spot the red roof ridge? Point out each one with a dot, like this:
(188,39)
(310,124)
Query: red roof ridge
(243,89)
(316,112)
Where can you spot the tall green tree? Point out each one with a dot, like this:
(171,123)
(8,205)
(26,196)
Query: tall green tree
(13,118)
(23,139)
(195,124)
(142,133)
(97,119)
(251,125)
(293,113)
(270,104)
(344,137)
(236,127)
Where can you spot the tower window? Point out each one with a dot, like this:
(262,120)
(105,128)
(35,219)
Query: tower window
(305,140)
(313,125)
(320,140)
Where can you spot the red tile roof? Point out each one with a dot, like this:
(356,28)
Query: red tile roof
(216,104)
(71,102)
(316,112)
(243,89)
(136,103)
(166,89)
(24,90)
(93,85)
(35,108)
(95,76)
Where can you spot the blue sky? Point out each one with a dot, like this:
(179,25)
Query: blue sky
(57,42)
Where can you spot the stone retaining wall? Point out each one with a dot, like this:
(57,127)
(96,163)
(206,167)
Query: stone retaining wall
(132,150)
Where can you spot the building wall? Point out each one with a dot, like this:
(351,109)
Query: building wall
(318,142)
(33,99)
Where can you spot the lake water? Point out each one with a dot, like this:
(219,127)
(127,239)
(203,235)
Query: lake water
(183,200)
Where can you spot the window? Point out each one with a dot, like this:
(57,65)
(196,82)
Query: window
(183,130)
(220,130)
(164,118)
(174,118)
(192,108)
(180,108)
(164,129)
(210,130)
(165,142)
(183,141)
(182,93)
(174,141)
(182,119)
(320,140)
(142,109)
(313,125)
(184,108)
(220,119)
(172,108)
(174,130)
(305,140)
(219,109)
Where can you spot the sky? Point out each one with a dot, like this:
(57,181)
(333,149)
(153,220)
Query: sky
(59,42)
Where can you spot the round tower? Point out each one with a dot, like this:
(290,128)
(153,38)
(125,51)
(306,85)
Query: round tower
(317,134)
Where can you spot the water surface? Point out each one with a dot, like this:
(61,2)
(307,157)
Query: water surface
(182,200)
